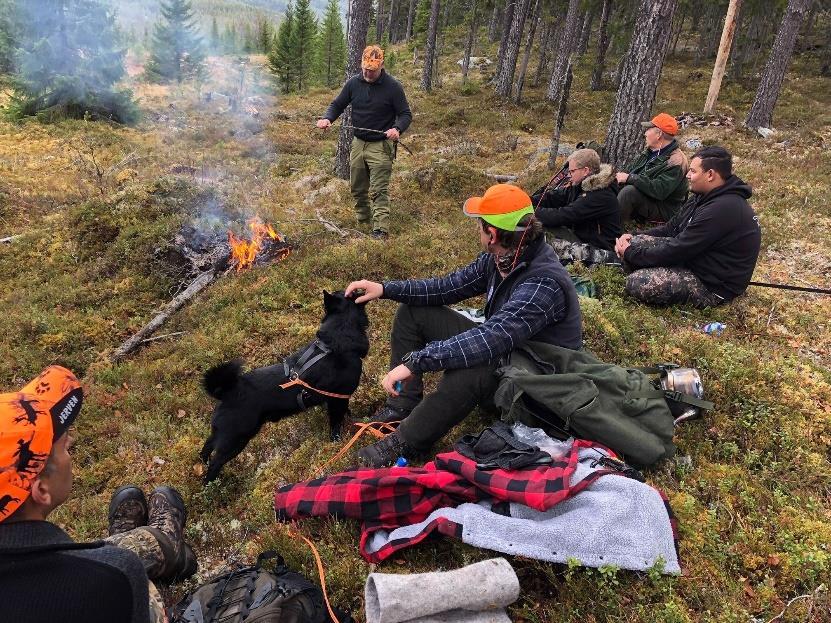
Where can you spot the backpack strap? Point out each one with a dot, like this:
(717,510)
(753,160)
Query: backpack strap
(687,399)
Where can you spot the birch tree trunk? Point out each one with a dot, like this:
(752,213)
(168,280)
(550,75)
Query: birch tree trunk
(471,35)
(358,28)
(505,77)
(529,45)
(430,48)
(761,112)
(568,43)
(723,54)
(639,79)
(602,47)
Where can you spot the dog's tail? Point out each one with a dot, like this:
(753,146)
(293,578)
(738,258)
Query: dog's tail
(221,379)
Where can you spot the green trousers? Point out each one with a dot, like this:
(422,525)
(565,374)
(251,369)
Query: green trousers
(370,168)
(634,205)
(458,391)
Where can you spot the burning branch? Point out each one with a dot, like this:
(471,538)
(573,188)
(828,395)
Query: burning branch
(244,252)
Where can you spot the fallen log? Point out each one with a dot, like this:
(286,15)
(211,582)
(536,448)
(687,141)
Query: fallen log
(502,178)
(329,225)
(197,285)
(8,239)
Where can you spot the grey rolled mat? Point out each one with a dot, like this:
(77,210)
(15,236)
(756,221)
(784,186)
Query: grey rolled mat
(478,593)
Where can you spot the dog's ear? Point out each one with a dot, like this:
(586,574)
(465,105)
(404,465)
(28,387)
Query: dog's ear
(330,301)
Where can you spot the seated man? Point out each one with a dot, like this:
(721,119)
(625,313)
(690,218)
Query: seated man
(654,184)
(583,219)
(529,296)
(706,254)
(45,575)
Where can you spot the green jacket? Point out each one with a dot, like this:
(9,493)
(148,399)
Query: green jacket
(568,392)
(664,179)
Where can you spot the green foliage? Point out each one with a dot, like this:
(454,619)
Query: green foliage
(331,47)
(68,57)
(302,42)
(281,60)
(7,38)
(265,35)
(177,47)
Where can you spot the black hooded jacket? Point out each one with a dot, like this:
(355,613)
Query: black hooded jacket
(717,236)
(590,209)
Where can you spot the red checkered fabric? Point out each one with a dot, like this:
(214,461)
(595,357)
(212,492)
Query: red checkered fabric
(385,499)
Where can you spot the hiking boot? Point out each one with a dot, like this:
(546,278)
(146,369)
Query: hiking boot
(184,567)
(166,520)
(388,414)
(128,510)
(379,234)
(384,453)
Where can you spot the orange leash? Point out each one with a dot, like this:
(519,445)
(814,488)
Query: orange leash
(374,428)
(320,572)
(299,381)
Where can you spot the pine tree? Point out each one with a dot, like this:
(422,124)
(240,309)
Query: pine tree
(281,60)
(7,38)
(303,42)
(331,47)
(68,59)
(264,35)
(216,41)
(177,47)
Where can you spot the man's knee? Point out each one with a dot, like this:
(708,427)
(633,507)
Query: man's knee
(631,201)
(647,286)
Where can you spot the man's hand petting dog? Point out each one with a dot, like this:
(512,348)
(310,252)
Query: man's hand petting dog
(366,290)
(399,373)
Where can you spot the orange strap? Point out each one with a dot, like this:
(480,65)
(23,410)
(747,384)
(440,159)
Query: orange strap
(320,572)
(375,428)
(299,381)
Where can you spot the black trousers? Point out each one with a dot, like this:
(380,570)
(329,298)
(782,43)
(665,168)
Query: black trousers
(458,391)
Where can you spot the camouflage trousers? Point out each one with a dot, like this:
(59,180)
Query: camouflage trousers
(574,251)
(667,285)
(142,542)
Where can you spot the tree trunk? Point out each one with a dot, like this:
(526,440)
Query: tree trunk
(495,21)
(507,20)
(602,47)
(677,29)
(440,43)
(639,79)
(358,28)
(505,78)
(549,43)
(761,112)
(379,22)
(392,21)
(529,45)
(471,35)
(568,43)
(561,116)
(723,54)
(585,31)
(430,48)
(410,17)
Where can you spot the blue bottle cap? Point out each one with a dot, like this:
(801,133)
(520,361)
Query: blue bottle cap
(401,462)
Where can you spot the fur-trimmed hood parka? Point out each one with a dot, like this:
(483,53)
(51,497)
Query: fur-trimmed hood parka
(590,209)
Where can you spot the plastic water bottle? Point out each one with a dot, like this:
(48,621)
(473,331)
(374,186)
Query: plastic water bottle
(401,462)
(714,328)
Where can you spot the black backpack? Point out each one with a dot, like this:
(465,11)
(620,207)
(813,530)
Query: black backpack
(255,595)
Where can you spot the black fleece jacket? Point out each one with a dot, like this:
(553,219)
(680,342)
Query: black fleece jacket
(378,105)
(590,209)
(717,236)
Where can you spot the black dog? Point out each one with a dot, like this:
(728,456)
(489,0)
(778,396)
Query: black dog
(327,371)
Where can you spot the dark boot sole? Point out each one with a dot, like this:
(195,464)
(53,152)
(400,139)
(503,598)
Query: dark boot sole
(123,494)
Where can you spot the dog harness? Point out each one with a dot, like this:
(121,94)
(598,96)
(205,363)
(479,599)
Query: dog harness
(316,351)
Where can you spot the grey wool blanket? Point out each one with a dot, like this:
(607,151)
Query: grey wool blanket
(614,521)
(478,593)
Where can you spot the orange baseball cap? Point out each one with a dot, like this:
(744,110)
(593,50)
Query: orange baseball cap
(664,122)
(372,58)
(502,206)
(31,420)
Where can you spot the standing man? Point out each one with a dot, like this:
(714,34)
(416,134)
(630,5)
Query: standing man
(529,296)
(654,183)
(44,574)
(705,255)
(380,109)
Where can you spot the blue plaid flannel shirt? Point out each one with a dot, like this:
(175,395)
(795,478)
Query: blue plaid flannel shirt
(533,305)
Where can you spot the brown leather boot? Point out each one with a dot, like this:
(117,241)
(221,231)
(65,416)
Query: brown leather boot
(128,510)
(166,520)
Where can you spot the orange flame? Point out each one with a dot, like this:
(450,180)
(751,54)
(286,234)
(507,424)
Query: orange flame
(244,252)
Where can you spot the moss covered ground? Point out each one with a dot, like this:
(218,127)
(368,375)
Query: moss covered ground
(94,203)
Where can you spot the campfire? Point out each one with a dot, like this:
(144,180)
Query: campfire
(265,245)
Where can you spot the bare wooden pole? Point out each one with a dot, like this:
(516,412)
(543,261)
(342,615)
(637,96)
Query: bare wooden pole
(723,54)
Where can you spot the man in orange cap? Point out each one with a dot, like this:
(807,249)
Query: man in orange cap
(45,575)
(380,114)
(654,185)
(528,297)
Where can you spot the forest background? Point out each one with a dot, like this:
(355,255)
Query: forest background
(145,126)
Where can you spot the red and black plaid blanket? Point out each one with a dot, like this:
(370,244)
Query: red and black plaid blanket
(385,499)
